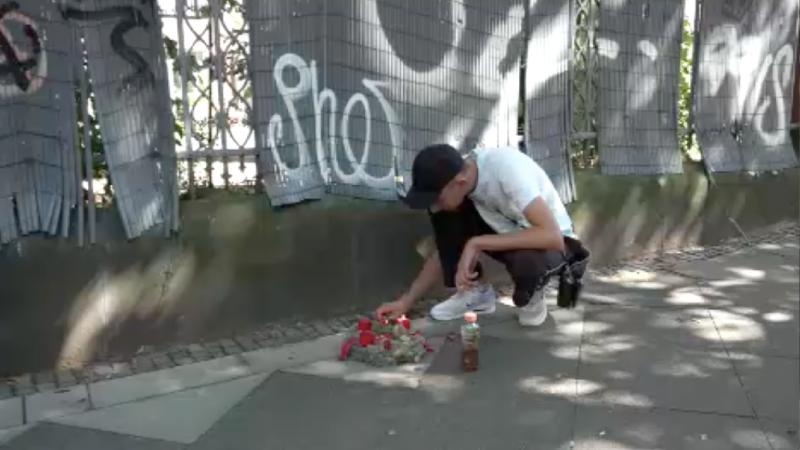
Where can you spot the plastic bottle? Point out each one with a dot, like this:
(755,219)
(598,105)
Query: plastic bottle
(470,334)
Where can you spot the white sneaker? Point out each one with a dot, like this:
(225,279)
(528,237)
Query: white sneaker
(534,313)
(481,299)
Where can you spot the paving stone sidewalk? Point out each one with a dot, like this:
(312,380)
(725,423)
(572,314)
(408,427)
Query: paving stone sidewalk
(680,353)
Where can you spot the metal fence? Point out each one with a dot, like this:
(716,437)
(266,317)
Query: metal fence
(296,99)
(639,54)
(37,162)
(744,84)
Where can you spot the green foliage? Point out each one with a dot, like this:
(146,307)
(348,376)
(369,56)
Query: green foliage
(687,141)
(96,140)
(99,166)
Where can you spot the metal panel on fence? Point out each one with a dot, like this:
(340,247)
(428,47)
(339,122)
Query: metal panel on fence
(744,86)
(287,58)
(639,46)
(37,121)
(365,74)
(127,66)
(547,84)
(432,72)
(347,89)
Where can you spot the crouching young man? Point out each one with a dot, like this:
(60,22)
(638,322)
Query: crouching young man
(496,201)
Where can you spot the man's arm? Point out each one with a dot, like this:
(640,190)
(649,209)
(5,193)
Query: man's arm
(431,271)
(523,194)
(427,276)
(544,233)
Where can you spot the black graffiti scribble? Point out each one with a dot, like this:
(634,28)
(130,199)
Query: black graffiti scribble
(129,18)
(19,69)
(736,9)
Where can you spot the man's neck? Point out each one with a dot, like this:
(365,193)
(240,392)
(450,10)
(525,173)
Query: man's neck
(471,170)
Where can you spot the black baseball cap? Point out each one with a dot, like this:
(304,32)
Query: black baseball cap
(433,168)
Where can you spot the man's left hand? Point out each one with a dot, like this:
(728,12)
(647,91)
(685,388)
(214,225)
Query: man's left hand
(465,273)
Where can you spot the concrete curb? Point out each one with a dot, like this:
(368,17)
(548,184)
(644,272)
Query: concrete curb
(99,394)
(33,398)
(104,393)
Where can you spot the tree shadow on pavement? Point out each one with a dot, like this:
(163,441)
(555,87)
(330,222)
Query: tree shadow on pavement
(661,361)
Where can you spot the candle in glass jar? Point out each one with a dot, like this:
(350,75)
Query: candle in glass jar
(403,320)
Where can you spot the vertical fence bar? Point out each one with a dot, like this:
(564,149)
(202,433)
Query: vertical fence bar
(222,120)
(169,178)
(698,5)
(591,79)
(77,69)
(591,146)
(79,184)
(66,201)
(66,160)
(574,10)
(211,119)
(581,76)
(88,159)
(187,113)
(254,119)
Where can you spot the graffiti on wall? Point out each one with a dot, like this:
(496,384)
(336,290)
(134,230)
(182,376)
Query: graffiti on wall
(773,95)
(38,172)
(127,63)
(338,126)
(346,92)
(358,98)
(23,70)
(743,98)
(127,18)
(736,10)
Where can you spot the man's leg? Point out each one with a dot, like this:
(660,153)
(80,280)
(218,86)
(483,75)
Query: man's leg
(530,271)
(452,230)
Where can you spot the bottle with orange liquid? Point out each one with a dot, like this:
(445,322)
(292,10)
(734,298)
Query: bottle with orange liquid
(470,334)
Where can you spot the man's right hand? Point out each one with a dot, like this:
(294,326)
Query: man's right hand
(394,309)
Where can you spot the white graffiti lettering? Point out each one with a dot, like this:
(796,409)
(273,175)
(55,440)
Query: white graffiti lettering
(749,73)
(275,129)
(309,84)
(781,67)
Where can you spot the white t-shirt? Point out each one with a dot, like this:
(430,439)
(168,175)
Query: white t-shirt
(508,181)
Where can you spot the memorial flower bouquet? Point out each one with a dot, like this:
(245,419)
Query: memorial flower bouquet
(384,343)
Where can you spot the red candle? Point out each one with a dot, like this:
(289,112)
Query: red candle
(366,338)
(364,324)
(403,320)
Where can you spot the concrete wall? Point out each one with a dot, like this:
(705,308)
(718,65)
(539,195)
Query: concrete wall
(239,264)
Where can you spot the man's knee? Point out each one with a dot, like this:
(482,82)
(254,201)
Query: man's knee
(532,268)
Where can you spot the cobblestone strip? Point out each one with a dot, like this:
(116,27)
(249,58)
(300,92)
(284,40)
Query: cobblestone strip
(291,331)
